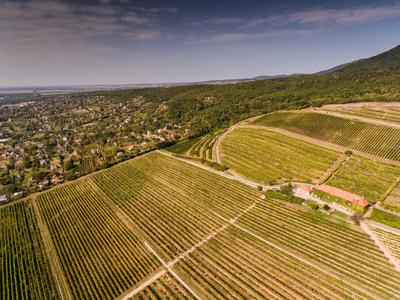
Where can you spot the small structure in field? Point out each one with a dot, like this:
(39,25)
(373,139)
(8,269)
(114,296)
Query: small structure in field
(3,199)
(357,202)
(304,189)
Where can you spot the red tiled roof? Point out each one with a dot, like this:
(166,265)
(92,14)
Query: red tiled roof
(342,194)
(304,187)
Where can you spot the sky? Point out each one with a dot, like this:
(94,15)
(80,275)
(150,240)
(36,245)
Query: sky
(62,42)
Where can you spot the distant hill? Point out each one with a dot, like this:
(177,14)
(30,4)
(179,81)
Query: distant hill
(387,62)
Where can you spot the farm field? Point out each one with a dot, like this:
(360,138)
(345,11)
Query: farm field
(24,267)
(225,268)
(165,287)
(390,240)
(378,140)
(387,113)
(393,200)
(270,158)
(100,256)
(364,177)
(173,206)
(347,253)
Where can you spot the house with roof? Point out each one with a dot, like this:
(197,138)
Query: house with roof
(304,189)
(356,202)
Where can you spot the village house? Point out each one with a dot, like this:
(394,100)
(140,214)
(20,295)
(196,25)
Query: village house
(357,202)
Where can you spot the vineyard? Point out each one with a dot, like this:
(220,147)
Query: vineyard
(204,147)
(164,288)
(365,177)
(100,256)
(377,112)
(378,140)
(390,240)
(269,157)
(24,267)
(173,206)
(225,268)
(393,200)
(346,253)
(99,224)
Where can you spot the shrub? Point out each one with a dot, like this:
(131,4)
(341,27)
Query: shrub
(313,205)
(348,152)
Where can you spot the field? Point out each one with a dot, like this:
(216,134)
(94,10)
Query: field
(378,140)
(365,177)
(269,157)
(164,288)
(174,205)
(100,256)
(24,267)
(390,240)
(386,218)
(343,252)
(393,200)
(235,265)
(387,112)
(102,224)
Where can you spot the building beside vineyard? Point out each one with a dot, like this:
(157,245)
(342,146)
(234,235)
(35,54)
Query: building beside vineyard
(356,202)
(3,199)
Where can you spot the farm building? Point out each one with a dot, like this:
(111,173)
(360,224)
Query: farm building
(304,189)
(357,202)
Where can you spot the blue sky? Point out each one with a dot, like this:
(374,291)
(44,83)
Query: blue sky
(57,42)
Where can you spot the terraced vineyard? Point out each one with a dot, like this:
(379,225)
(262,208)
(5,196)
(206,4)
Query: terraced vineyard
(341,251)
(204,147)
(382,141)
(234,265)
(24,267)
(88,165)
(390,240)
(377,112)
(164,288)
(99,255)
(365,177)
(269,157)
(171,202)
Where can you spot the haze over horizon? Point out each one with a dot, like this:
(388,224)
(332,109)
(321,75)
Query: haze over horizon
(131,42)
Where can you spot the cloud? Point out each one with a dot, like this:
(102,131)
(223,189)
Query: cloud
(40,22)
(239,36)
(347,16)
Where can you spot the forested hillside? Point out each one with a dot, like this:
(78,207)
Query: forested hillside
(205,107)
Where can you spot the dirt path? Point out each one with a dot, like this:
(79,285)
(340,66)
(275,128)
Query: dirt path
(172,272)
(381,246)
(218,155)
(130,293)
(54,260)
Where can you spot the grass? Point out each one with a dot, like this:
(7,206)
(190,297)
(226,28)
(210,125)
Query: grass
(364,177)
(270,158)
(378,140)
(385,218)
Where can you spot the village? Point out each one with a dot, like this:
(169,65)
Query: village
(45,143)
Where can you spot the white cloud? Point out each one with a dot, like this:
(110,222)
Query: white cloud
(347,16)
